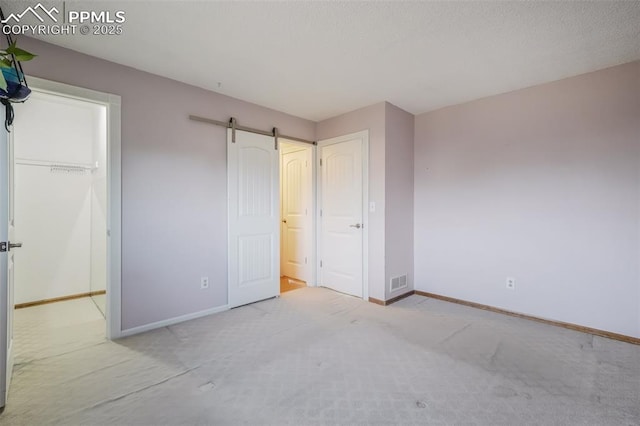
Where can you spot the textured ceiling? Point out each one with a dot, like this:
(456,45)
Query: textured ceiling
(320,59)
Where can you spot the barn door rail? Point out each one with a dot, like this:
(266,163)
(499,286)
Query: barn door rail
(233,125)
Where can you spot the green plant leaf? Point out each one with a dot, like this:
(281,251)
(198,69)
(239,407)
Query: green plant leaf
(5,63)
(9,50)
(21,55)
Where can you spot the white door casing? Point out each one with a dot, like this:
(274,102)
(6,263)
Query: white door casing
(296,212)
(114,191)
(343,224)
(254,218)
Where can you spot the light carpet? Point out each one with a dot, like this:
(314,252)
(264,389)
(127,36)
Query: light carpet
(315,357)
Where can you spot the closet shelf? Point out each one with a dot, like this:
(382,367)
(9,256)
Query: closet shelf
(57,165)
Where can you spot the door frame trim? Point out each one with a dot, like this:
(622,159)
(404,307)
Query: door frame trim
(114,190)
(364,136)
(312,279)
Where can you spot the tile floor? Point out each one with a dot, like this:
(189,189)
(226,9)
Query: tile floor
(315,357)
(56,328)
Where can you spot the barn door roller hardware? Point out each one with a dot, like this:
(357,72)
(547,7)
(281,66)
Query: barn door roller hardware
(232,126)
(275,137)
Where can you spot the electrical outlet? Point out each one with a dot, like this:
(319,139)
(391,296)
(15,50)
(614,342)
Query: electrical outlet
(204,282)
(511,283)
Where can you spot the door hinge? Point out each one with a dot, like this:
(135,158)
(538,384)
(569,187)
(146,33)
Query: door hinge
(321,162)
(320,212)
(8,245)
(321,263)
(305,260)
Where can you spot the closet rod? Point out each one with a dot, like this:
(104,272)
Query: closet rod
(40,163)
(247,129)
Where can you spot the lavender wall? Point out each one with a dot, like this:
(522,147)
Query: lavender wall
(371,118)
(174,218)
(540,184)
(399,128)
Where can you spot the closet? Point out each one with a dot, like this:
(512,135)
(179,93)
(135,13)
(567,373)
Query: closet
(60,199)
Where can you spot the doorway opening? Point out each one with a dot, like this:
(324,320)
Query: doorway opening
(291,225)
(296,215)
(60,210)
(60,172)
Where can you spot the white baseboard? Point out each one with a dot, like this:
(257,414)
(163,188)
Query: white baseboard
(172,321)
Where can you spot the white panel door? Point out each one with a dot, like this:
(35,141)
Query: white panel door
(254,218)
(341,217)
(6,261)
(296,210)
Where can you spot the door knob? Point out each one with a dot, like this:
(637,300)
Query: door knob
(284,220)
(357,225)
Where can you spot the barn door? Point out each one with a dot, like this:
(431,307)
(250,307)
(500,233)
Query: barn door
(254,218)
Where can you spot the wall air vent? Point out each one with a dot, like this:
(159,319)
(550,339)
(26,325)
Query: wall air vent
(398,282)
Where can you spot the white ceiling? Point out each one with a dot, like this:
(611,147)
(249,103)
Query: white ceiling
(320,59)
